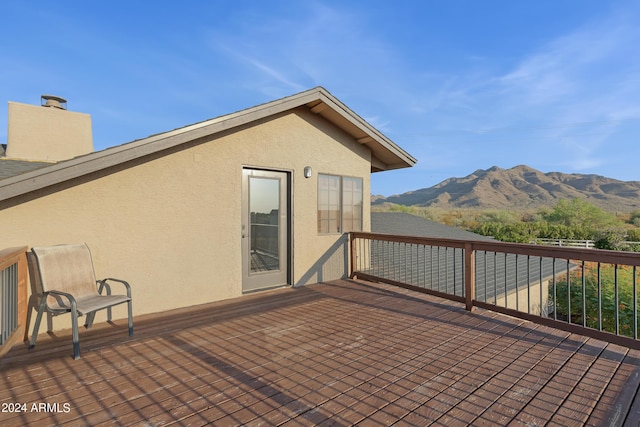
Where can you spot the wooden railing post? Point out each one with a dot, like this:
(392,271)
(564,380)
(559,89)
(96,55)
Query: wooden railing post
(469,275)
(352,258)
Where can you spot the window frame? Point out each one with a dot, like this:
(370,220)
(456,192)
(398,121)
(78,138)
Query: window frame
(324,200)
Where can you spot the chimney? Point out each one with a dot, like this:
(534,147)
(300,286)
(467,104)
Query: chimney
(48,132)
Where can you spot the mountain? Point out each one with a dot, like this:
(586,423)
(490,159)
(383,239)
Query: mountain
(521,188)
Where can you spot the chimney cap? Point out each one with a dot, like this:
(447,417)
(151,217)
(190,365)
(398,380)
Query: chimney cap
(53,101)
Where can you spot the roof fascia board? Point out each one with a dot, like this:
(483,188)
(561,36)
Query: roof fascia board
(73,168)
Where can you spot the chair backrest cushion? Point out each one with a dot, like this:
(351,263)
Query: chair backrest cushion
(66,268)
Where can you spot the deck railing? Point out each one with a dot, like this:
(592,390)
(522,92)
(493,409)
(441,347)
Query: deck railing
(586,291)
(264,238)
(13,296)
(8,302)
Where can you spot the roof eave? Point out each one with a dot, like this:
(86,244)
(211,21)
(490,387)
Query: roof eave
(386,155)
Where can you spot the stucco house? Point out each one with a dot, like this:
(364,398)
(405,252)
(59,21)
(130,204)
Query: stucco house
(252,200)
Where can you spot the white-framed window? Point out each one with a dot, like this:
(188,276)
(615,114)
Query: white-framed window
(339,204)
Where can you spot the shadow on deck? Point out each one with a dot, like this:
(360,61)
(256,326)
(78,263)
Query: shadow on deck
(337,353)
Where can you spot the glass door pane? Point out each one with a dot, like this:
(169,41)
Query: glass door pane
(264,211)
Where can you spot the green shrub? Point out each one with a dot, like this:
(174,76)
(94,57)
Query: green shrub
(607,293)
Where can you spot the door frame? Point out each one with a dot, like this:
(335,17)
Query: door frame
(287,181)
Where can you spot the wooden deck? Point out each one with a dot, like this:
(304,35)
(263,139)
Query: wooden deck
(333,354)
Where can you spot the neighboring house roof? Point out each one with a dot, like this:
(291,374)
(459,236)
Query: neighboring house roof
(404,224)
(441,268)
(13,167)
(386,155)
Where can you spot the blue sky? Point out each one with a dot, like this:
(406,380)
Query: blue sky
(461,85)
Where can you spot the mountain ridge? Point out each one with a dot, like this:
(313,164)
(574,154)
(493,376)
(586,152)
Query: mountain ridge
(522,188)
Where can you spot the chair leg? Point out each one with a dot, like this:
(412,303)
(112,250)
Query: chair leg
(31,305)
(36,327)
(76,337)
(89,320)
(130,308)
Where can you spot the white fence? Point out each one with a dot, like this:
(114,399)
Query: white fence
(566,242)
(590,244)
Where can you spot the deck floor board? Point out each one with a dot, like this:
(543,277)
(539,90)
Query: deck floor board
(339,353)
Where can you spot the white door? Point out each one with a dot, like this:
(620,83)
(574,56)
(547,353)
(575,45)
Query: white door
(265,229)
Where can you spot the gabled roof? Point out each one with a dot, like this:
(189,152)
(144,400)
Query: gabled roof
(386,155)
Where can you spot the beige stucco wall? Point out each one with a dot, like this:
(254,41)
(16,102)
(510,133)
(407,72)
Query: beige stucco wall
(47,134)
(172,225)
(528,300)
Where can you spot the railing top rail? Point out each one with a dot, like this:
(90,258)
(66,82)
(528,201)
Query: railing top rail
(8,255)
(456,243)
(563,252)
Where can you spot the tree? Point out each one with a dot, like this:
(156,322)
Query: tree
(580,214)
(568,219)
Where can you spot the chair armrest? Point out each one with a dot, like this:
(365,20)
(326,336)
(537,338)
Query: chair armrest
(71,298)
(104,284)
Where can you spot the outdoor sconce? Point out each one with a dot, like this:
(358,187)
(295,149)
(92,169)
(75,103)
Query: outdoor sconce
(307,171)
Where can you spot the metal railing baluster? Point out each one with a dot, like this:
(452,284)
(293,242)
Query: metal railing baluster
(584,297)
(599,297)
(555,291)
(635,304)
(568,293)
(617,299)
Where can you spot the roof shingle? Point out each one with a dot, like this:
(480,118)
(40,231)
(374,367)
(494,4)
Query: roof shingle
(13,167)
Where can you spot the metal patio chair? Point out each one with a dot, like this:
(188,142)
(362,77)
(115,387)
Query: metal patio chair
(69,285)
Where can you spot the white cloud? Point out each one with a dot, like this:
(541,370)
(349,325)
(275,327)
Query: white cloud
(565,101)
(577,68)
